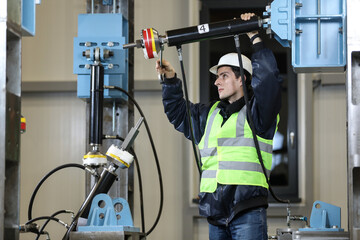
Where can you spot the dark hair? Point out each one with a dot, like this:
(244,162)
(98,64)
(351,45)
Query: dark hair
(248,76)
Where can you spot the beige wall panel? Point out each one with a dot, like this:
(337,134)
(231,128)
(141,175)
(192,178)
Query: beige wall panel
(169,145)
(55,136)
(162,15)
(330,156)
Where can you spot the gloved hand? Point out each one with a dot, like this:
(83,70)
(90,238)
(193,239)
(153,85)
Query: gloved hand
(166,69)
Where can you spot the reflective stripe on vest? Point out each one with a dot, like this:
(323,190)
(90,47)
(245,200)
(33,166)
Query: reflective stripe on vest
(208,152)
(248,142)
(209,123)
(239,140)
(247,166)
(208,174)
(230,158)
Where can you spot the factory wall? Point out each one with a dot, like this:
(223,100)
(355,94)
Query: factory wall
(56,126)
(330,154)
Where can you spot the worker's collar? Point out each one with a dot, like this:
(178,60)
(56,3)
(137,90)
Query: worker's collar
(229,108)
(226,108)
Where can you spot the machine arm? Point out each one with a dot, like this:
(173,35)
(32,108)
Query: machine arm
(151,42)
(212,30)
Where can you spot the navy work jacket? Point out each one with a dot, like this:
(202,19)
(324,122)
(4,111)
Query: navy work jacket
(228,201)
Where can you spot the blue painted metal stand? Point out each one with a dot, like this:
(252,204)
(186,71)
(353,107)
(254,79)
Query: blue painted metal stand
(104,217)
(324,217)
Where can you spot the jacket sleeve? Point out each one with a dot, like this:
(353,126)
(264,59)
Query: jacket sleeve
(266,85)
(175,109)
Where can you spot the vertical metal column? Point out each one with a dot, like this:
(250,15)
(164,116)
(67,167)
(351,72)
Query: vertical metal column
(124,112)
(2,116)
(353,117)
(10,94)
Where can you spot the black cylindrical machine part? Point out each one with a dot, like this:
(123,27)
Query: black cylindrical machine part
(104,184)
(214,30)
(106,180)
(96,104)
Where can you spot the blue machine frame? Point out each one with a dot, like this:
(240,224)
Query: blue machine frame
(107,32)
(315,30)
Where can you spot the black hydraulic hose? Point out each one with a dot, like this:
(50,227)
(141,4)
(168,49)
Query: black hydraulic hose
(44,179)
(140,190)
(251,123)
(41,231)
(188,109)
(48,218)
(140,185)
(154,152)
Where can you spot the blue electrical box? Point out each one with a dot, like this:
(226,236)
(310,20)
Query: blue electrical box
(315,30)
(108,32)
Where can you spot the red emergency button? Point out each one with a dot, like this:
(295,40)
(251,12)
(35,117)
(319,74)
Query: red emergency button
(23,125)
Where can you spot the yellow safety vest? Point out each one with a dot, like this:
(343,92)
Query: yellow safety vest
(228,152)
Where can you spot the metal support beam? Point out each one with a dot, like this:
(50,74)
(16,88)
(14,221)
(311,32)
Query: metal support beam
(353,117)
(10,107)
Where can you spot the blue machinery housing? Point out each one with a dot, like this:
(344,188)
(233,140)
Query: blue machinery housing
(108,32)
(314,29)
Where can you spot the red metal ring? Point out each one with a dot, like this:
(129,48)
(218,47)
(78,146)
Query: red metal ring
(148,42)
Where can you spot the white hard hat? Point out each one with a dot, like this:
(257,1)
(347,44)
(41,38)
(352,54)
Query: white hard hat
(231,59)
